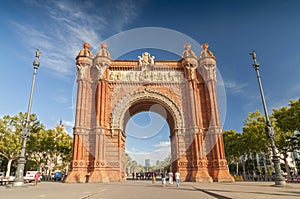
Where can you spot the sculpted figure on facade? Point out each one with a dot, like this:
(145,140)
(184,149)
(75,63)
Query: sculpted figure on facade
(208,61)
(211,72)
(146,59)
(190,61)
(81,71)
(191,71)
(101,70)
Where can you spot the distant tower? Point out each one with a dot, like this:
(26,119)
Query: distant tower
(147,164)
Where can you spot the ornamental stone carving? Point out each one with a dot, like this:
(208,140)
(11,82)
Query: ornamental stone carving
(102,60)
(101,69)
(190,61)
(146,75)
(81,70)
(210,72)
(146,59)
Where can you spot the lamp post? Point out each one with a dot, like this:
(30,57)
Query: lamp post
(270,133)
(19,180)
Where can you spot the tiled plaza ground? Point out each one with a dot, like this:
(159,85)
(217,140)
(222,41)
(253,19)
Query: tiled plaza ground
(147,190)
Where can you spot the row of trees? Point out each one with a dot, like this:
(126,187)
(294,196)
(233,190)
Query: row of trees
(246,146)
(46,149)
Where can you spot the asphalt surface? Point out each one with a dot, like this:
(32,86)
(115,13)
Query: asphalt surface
(147,190)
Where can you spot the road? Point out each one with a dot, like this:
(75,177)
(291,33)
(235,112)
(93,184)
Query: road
(147,190)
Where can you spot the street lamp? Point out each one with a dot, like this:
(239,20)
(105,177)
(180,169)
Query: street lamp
(270,133)
(19,179)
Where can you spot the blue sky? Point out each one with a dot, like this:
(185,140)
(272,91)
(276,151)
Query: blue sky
(232,29)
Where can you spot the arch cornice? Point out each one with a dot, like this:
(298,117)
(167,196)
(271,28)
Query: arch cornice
(123,104)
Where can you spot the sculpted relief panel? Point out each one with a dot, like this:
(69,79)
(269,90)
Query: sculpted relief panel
(146,75)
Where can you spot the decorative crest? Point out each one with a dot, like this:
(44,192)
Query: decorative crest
(146,59)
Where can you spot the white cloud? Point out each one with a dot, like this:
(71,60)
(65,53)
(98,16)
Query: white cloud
(235,87)
(68,25)
(163,144)
(68,123)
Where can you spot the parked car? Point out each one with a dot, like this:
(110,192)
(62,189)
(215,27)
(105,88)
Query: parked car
(58,176)
(29,177)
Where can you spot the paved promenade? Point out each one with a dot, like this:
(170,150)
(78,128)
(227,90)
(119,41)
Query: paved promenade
(147,190)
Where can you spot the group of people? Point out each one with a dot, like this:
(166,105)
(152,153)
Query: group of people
(170,176)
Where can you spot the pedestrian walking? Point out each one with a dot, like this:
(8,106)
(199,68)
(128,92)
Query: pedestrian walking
(177,177)
(36,178)
(153,177)
(163,178)
(170,175)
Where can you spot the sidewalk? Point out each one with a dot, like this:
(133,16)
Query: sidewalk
(249,190)
(147,190)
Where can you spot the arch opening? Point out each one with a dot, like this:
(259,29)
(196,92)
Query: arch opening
(146,105)
(147,143)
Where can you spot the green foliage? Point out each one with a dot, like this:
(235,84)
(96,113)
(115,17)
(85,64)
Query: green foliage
(288,118)
(47,145)
(131,165)
(287,122)
(10,132)
(254,137)
(232,144)
(163,165)
(43,146)
(11,139)
(253,140)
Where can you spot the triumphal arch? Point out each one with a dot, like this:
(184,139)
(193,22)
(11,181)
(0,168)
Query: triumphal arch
(110,92)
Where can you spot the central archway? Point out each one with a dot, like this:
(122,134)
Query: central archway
(154,101)
(147,145)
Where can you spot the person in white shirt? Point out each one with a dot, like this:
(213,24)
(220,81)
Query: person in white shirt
(170,175)
(177,177)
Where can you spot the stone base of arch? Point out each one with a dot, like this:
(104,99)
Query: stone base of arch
(97,175)
(219,171)
(222,175)
(77,175)
(200,175)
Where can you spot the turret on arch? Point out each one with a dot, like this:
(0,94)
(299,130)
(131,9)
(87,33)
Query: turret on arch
(110,92)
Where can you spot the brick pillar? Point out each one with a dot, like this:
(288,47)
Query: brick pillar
(80,160)
(197,164)
(216,157)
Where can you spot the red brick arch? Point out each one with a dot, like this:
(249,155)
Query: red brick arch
(110,92)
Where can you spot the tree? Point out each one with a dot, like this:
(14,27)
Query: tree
(41,146)
(63,145)
(11,140)
(163,165)
(288,118)
(287,123)
(233,147)
(254,136)
(254,139)
(131,165)
(47,146)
